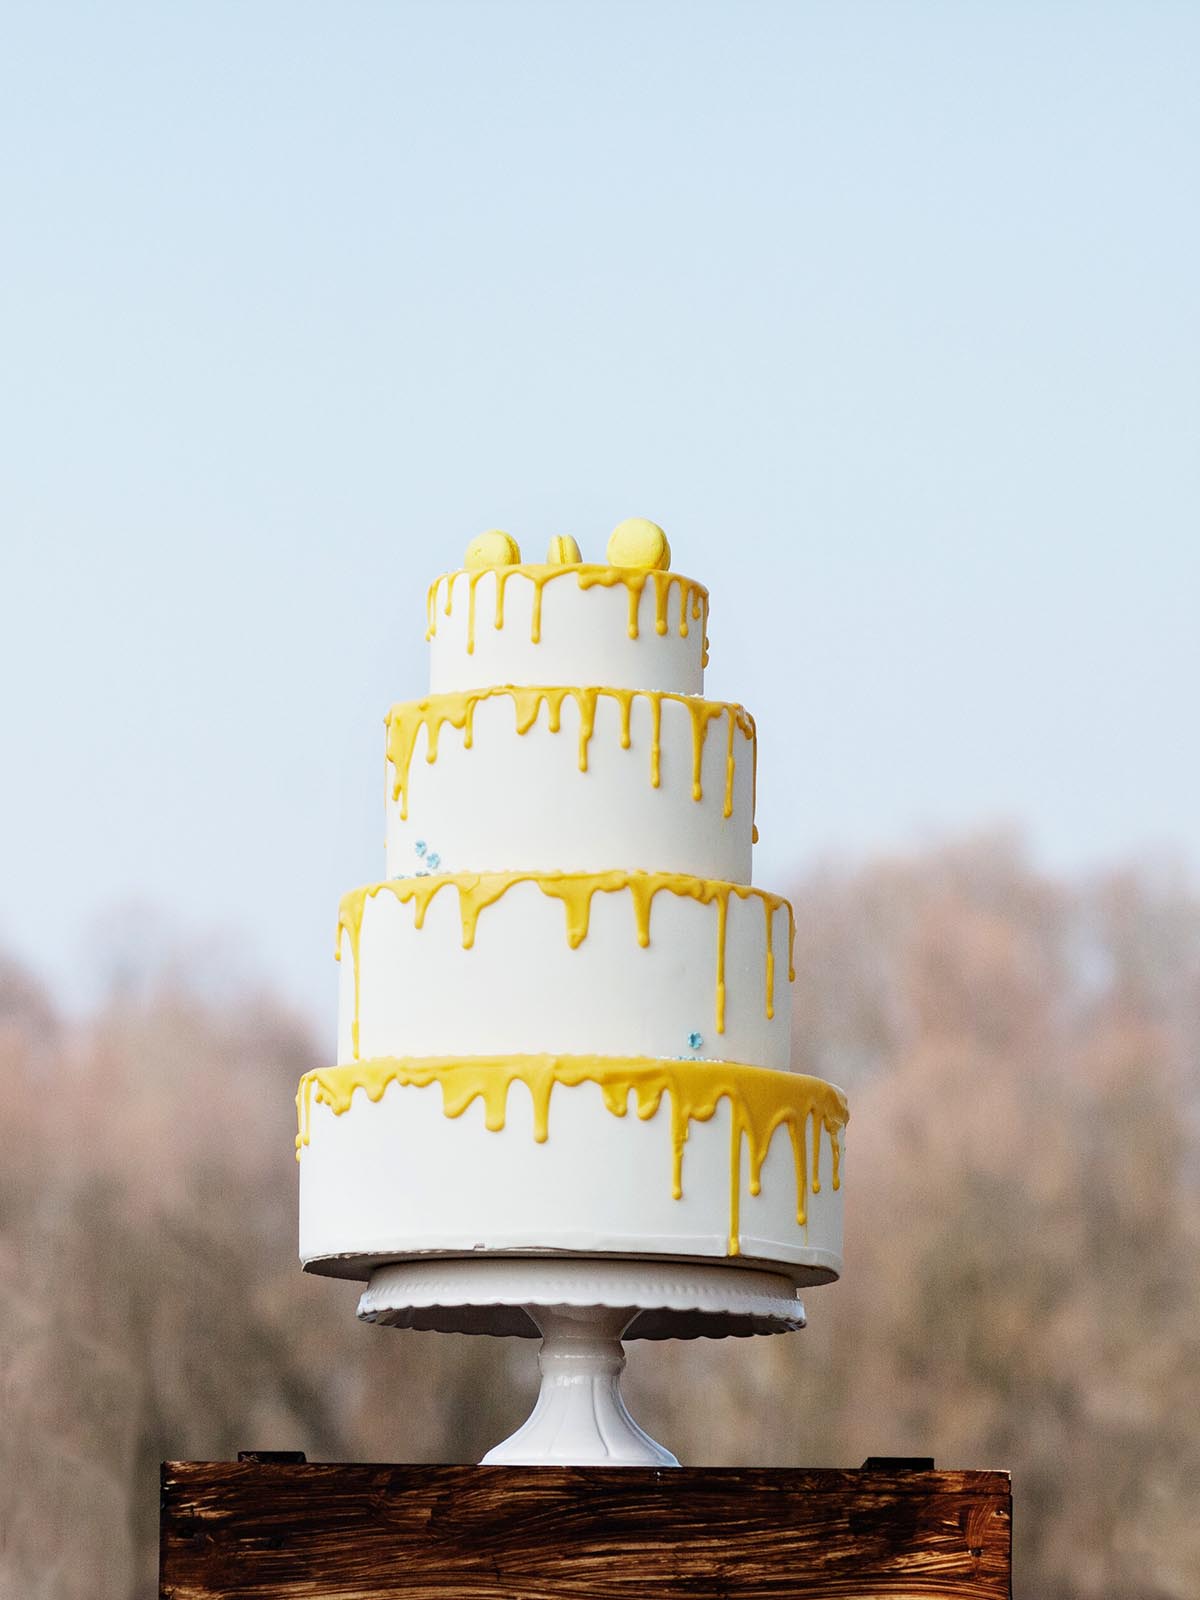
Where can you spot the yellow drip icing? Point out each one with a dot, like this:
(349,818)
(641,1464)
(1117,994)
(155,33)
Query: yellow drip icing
(722,901)
(770,912)
(587,723)
(662,594)
(761,1102)
(754,791)
(575,890)
(634,579)
(501,584)
(457,710)
(693,597)
(472,584)
(702,713)
(731,718)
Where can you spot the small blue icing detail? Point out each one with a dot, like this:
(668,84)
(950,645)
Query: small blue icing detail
(432,860)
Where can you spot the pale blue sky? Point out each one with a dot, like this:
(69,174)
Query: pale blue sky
(887,312)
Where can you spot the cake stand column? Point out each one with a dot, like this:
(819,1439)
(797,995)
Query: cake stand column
(580,1417)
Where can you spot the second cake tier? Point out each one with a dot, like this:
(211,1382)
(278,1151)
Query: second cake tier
(558,779)
(619,963)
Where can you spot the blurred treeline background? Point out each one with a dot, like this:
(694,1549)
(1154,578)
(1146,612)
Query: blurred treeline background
(1023,1214)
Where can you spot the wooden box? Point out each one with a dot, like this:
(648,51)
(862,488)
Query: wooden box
(278,1528)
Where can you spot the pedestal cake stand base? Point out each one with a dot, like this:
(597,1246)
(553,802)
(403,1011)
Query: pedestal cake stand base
(582,1309)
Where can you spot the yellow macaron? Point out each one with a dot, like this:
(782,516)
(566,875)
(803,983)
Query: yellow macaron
(492,549)
(639,543)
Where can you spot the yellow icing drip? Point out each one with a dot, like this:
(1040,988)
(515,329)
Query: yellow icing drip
(662,594)
(500,586)
(587,723)
(733,1246)
(760,1101)
(457,710)
(575,890)
(754,792)
(693,597)
(472,584)
(727,807)
(702,713)
(350,915)
(722,926)
(769,911)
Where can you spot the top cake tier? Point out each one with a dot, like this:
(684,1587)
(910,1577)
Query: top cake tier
(571,623)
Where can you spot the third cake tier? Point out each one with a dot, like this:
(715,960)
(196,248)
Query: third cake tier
(622,963)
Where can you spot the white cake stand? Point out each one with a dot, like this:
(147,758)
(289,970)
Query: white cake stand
(582,1308)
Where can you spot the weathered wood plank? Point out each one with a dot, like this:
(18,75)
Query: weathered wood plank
(262,1530)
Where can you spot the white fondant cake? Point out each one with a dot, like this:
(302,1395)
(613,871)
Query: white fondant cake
(564,1016)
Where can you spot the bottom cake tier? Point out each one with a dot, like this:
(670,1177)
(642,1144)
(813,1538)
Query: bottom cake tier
(404,1158)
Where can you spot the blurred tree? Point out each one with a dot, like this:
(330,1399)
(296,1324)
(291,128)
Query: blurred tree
(1022,1212)
(1023,1223)
(151,1302)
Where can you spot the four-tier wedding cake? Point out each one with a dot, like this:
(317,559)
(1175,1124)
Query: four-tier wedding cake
(564,1018)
